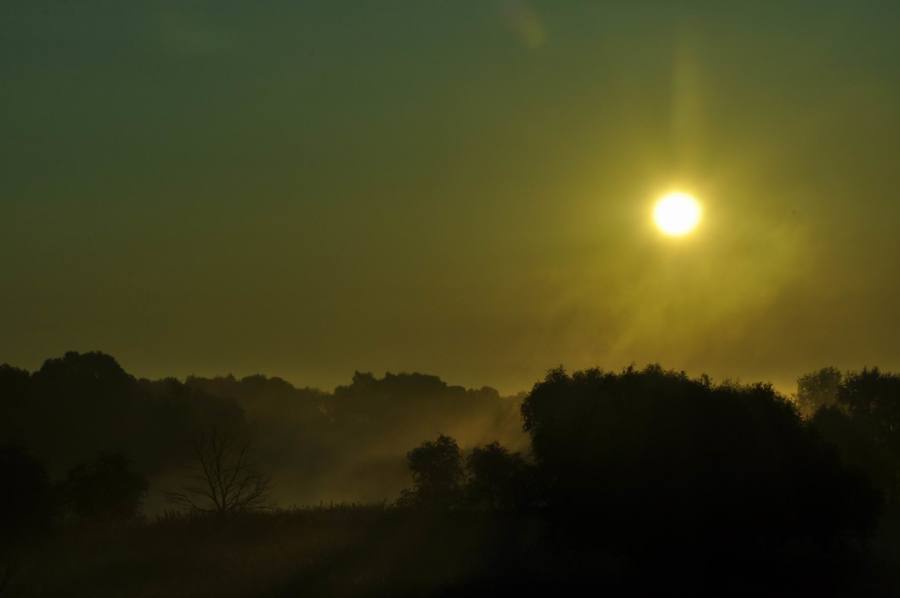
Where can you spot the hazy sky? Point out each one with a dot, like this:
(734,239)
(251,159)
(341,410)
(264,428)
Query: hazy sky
(308,188)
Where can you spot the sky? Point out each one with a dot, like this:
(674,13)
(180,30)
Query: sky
(306,189)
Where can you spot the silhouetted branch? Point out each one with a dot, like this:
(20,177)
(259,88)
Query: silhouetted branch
(227,480)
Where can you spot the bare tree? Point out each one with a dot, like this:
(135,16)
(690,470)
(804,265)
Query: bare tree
(225,479)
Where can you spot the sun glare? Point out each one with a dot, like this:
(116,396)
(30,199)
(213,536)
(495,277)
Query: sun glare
(677,214)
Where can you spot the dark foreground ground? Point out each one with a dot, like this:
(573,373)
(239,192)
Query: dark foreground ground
(372,551)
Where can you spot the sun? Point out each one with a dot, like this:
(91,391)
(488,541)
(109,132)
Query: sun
(677,214)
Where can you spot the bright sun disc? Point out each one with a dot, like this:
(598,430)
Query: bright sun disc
(677,214)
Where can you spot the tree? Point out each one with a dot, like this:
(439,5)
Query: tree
(24,493)
(865,426)
(226,478)
(817,390)
(25,505)
(438,475)
(646,455)
(498,480)
(105,489)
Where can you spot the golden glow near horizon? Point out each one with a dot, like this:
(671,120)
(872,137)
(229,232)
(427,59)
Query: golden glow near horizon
(677,214)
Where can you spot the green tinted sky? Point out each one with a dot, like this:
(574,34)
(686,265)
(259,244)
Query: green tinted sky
(308,188)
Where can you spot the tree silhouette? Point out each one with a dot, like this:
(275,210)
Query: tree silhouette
(226,478)
(438,475)
(653,455)
(105,489)
(498,479)
(26,507)
(864,423)
(24,493)
(818,389)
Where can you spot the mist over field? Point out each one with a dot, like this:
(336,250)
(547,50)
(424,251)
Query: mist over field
(345,446)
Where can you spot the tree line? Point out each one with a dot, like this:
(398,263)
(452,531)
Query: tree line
(655,467)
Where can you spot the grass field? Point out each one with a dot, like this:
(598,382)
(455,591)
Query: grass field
(334,551)
(386,551)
